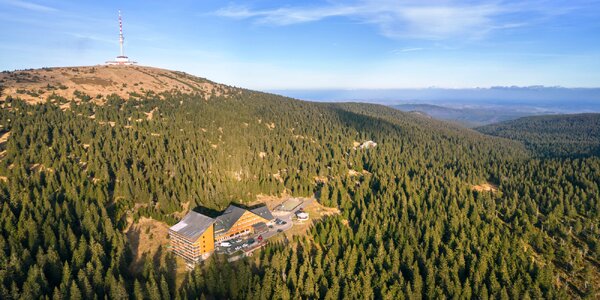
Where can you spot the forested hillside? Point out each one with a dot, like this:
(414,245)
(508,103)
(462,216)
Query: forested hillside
(467,116)
(553,136)
(75,172)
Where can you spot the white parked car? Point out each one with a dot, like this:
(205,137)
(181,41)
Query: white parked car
(225,244)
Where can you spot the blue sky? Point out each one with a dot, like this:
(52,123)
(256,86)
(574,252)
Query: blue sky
(363,44)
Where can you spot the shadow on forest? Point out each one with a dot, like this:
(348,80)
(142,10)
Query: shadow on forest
(213,213)
(133,236)
(209,212)
(162,261)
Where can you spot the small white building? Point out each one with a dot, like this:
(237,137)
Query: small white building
(368,144)
(302,216)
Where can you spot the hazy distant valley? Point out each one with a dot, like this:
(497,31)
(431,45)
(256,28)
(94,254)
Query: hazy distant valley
(469,107)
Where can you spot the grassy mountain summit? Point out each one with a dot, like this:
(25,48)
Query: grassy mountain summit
(78,171)
(98,82)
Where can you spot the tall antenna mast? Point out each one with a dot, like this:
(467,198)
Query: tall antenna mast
(121,38)
(121,59)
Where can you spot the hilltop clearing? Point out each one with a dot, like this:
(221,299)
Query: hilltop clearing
(98,82)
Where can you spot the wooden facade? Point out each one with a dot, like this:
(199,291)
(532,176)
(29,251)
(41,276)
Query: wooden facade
(241,227)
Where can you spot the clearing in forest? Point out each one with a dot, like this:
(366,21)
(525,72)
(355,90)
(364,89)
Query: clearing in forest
(4,137)
(315,210)
(316,213)
(485,187)
(148,240)
(145,238)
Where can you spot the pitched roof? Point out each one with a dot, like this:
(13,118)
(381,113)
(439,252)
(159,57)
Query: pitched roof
(228,218)
(193,225)
(263,212)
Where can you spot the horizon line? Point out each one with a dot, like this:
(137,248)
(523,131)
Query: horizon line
(274,89)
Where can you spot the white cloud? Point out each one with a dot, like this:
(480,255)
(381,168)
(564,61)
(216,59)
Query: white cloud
(432,20)
(29,5)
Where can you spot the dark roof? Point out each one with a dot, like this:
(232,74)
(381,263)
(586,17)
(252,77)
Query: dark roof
(260,226)
(263,212)
(228,218)
(193,225)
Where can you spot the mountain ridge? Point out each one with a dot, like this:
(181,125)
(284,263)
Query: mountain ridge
(470,116)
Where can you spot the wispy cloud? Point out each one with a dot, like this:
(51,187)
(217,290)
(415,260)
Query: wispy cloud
(405,50)
(91,38)
(29,5)
(432,20)
(287,16)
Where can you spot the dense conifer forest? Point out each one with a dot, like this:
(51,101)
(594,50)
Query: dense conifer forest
(411,225)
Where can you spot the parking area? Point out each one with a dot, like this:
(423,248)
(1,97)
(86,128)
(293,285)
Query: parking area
(251,241)
(283,221)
